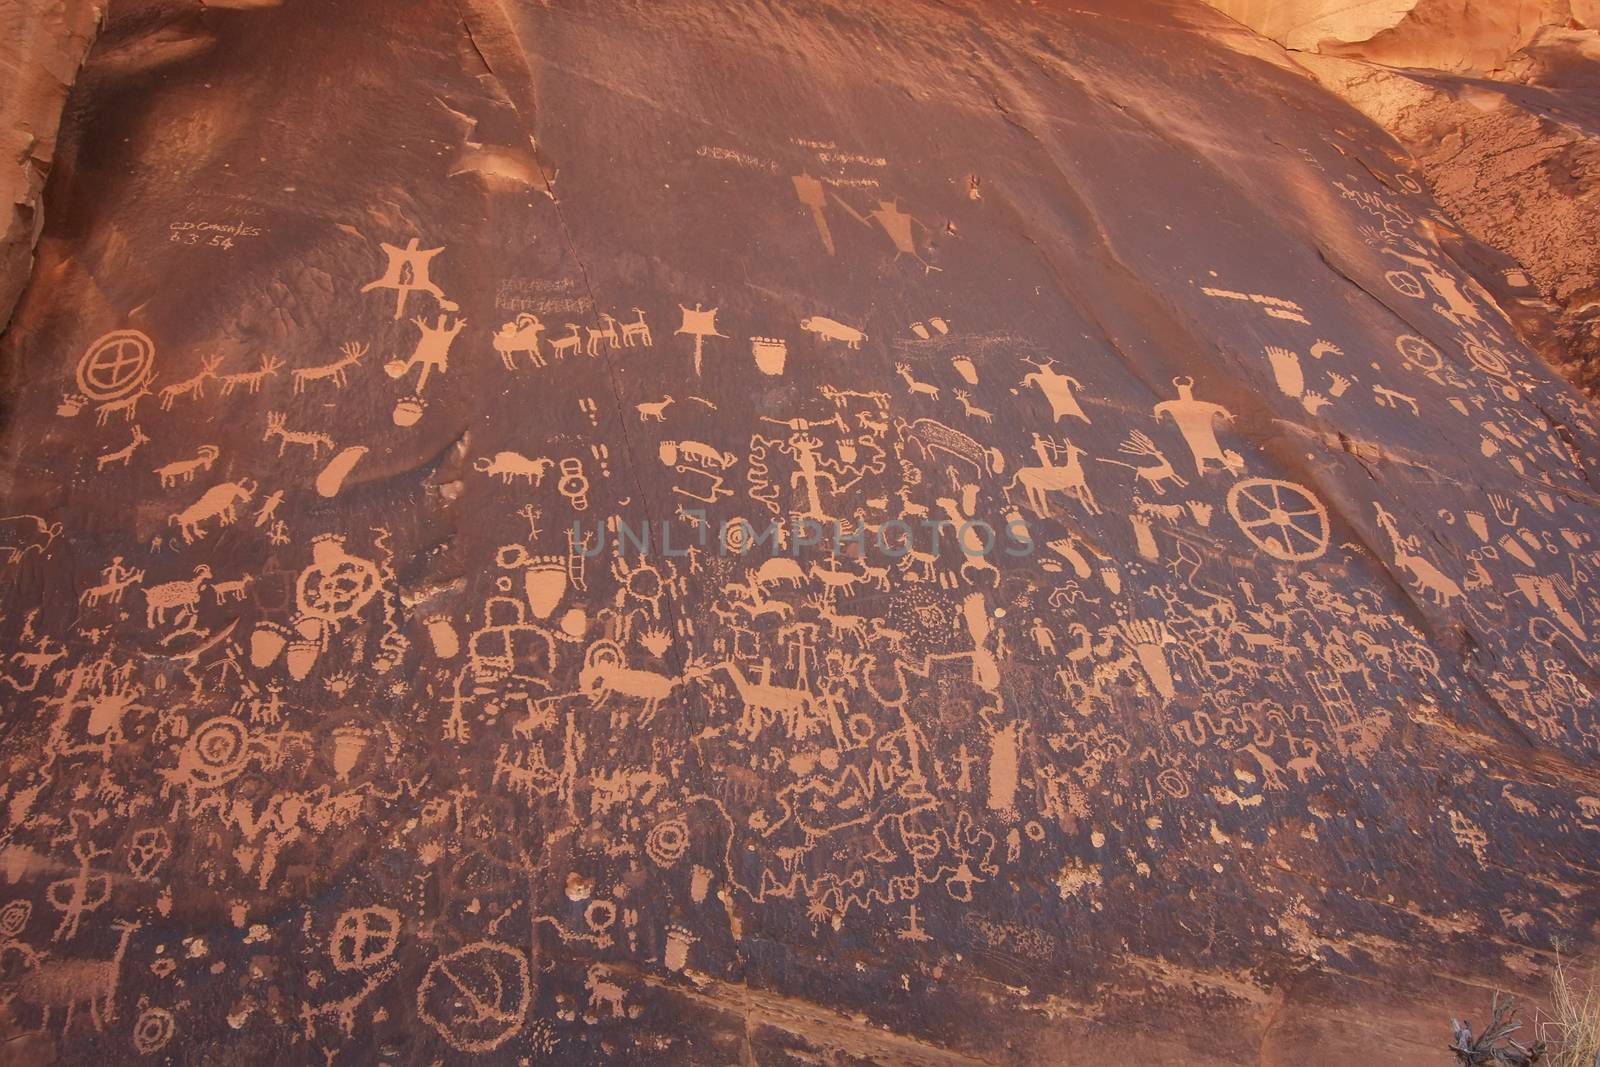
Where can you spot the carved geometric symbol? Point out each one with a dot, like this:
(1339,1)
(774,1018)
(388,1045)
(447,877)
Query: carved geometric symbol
(363,937)
(115,365)
(477,996)
(1283,519)
(1419,353)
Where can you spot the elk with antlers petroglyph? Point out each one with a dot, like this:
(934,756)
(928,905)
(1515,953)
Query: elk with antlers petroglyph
(251,379)
(128,405)
(123,454)
(314,440)
(973,412)
(194,387)
(334,372)
(1156,476)
(917,388)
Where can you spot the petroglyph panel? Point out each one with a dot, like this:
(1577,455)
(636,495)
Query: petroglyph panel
(855,534)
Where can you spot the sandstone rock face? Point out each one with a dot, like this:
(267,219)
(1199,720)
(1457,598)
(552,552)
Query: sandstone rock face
(1312,24)
(1516,161)
(699,531)
(42,42)
(1475,35)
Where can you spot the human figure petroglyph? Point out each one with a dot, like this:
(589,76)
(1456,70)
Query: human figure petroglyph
(115,580)
(897,225)
(1039,481)
(335,372)
(1057,388)
(1196,420)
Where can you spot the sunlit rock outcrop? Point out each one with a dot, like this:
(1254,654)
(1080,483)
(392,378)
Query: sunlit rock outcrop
(1460,35)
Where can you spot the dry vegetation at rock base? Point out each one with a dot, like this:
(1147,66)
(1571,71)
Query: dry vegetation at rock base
(1566,1031)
